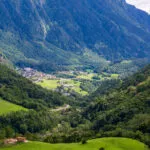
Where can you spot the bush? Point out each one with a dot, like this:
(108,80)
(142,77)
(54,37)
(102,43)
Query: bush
(84,141)
(102,148)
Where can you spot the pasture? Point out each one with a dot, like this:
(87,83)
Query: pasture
(96,144)
(7,107)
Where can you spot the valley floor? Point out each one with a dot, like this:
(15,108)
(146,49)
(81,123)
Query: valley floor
(96,144)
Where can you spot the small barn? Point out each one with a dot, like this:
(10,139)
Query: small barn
(10,141)
(15,140)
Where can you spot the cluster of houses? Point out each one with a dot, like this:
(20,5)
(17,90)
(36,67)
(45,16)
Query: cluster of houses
(35,75)
(64,87)
(15,140)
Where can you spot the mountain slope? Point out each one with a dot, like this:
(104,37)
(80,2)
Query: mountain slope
(47,33)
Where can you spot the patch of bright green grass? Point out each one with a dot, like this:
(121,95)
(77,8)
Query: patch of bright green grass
(7,107)
(96,144)
(114,76)
(86,77)
(126,62)
(76,87)
(80,91)
(49,84)
(53,84)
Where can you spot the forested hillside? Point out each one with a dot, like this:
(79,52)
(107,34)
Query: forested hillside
(38,101)
(124,110)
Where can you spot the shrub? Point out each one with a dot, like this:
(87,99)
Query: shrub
(84,141)
(102,148)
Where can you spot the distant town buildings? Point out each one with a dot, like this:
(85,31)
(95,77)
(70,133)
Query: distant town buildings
(35,75)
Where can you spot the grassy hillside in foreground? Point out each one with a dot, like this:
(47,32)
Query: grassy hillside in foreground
(7,107)
(96,144)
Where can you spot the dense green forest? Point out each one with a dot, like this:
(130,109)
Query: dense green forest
(123,110)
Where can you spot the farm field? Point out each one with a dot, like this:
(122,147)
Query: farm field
(49,84)
(114,76)
(76,86)
(7,107)
(87,77)
(96,144)
(67,83)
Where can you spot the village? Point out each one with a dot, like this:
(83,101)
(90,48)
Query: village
(65,82)
(35,75)
(60,81)
(39,76)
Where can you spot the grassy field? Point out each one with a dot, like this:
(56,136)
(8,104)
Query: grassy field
(53,84)
(114,76)
(87,77)
(75,82)
(7,107)
(96,144)
(76,87)
(49,84)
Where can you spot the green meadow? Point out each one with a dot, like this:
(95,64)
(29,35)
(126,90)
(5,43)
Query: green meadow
(53,84)
(96,144)
(7,107)
(76,87)
(49,84)
(114,76)
(87,77)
